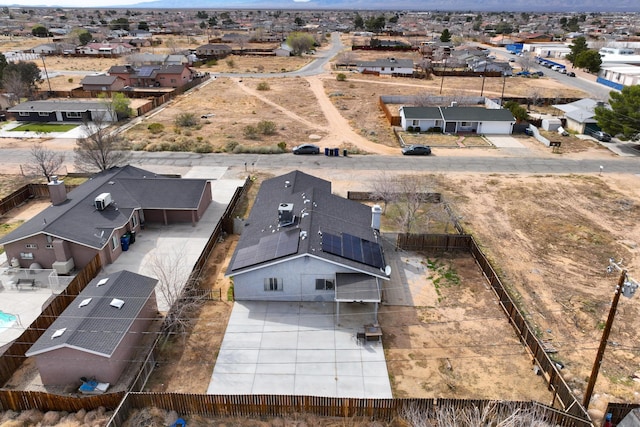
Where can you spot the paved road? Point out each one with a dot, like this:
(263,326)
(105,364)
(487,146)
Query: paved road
(252,162)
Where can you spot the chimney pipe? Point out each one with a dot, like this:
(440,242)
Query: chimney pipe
(57,191)
(376,213)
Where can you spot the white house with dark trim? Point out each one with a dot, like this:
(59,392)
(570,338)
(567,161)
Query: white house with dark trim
(386,66)
(496,121)
(63,110)
(303,243)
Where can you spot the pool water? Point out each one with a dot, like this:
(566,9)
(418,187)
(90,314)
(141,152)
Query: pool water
(6,321)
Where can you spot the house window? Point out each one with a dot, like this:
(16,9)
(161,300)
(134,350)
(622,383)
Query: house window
(115,242)
(26,255)
(73,114)
(134,220)
(49,246)
(43,114)
(31,246)
(272,284)
(464,124)
(23,114)
(415,123)
(324,284)
(174,81)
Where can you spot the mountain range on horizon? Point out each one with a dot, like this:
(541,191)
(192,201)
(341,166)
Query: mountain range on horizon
(425,5)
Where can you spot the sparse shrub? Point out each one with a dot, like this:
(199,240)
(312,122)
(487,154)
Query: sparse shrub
(211,63)
(203,147)
(263,86)
(70,79)
(268,149)
(250,132)
(409,128)
(282,146)
(138,146)
(230,146)
(155,128)
(266,127)
(231,63)
(435,129)
(416,129)
(186,120)
(341,77)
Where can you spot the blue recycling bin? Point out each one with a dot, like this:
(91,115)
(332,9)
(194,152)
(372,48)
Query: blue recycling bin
(326,151)
(336,152)
(124,241)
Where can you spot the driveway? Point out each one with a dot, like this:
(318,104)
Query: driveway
(296,348)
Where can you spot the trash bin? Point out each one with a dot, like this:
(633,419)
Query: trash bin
(344,153)
(326,151)
(330,152)
(132,237)
(124,241)
(336,152)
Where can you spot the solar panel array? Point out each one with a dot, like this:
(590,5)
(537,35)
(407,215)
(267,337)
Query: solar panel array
(270,247)
(146,71)
(353,248)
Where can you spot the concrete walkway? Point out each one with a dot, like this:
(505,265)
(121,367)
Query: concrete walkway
(295,348)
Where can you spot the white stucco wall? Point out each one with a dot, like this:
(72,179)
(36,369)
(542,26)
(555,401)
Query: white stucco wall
(495,128)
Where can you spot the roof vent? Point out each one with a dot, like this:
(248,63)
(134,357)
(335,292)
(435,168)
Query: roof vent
(287,184)
(102,201)
(285,214)
(58,333)
(117,303)
(84,302)
(102,282)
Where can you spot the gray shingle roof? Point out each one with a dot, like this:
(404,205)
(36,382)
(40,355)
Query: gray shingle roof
(101,79)
(387,62)
(458,114)
(60,105)
(98,327)
(317,211)
(131,188)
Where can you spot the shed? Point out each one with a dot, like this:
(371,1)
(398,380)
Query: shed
(551,124)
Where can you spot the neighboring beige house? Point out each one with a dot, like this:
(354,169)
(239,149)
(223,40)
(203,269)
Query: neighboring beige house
(213,50)
(106,48)
(102,83)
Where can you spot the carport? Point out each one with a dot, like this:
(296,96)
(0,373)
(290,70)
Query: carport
(357,287)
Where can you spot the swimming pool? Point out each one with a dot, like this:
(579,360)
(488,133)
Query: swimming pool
(6,321)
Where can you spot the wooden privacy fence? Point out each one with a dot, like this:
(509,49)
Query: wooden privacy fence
(620,410)
(18,400)
(561,391)
(25,193)
(14,356)
(259,406)
(370,196)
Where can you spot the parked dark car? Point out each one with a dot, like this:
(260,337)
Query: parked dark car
(571,74)
(306,149)
(528,132)
(416,150)
(538,73)
(602,136)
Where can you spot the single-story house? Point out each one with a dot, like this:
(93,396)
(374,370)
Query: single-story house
(62,110)
(580,115)
(106,48)
(54,48)
(303,243)
(213,50)
(99,333)
(102,82)
(153,75)
(618,76)
(458,119)
(387,66)
(93,218)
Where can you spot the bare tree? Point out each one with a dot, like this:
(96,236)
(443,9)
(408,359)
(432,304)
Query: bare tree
(526,61)
(534,96)
(101,148)
(242,40)
(44,162)
(14,86)
(411,198)
(179,295)
(384,188)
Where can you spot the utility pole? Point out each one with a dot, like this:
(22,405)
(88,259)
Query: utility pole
(483,76)
(627,287)
(504,82)
(46,73)
(443,71)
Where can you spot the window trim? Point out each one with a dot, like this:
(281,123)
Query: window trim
(73,114)
(323,284)
(43,113)
(115,242)
(31,246)
(273,284)
(26,255)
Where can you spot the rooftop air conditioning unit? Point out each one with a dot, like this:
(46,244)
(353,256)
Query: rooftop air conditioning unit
(285,214)
(102,201)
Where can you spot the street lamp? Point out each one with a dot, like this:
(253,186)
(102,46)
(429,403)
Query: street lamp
(627,287)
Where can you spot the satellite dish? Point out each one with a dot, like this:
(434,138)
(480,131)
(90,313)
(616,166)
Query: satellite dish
(387,270)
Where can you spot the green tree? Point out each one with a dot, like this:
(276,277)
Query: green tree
(375,24)
(445,36)
(624,115)
(394,19)
(3,65)
(299,21)
(119,24)
(518,111)
(119,103)
(144,26)
(84,37)
(504,28)
(589,60)
(201,14)
(578,46)
(300,42)
(39,31)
